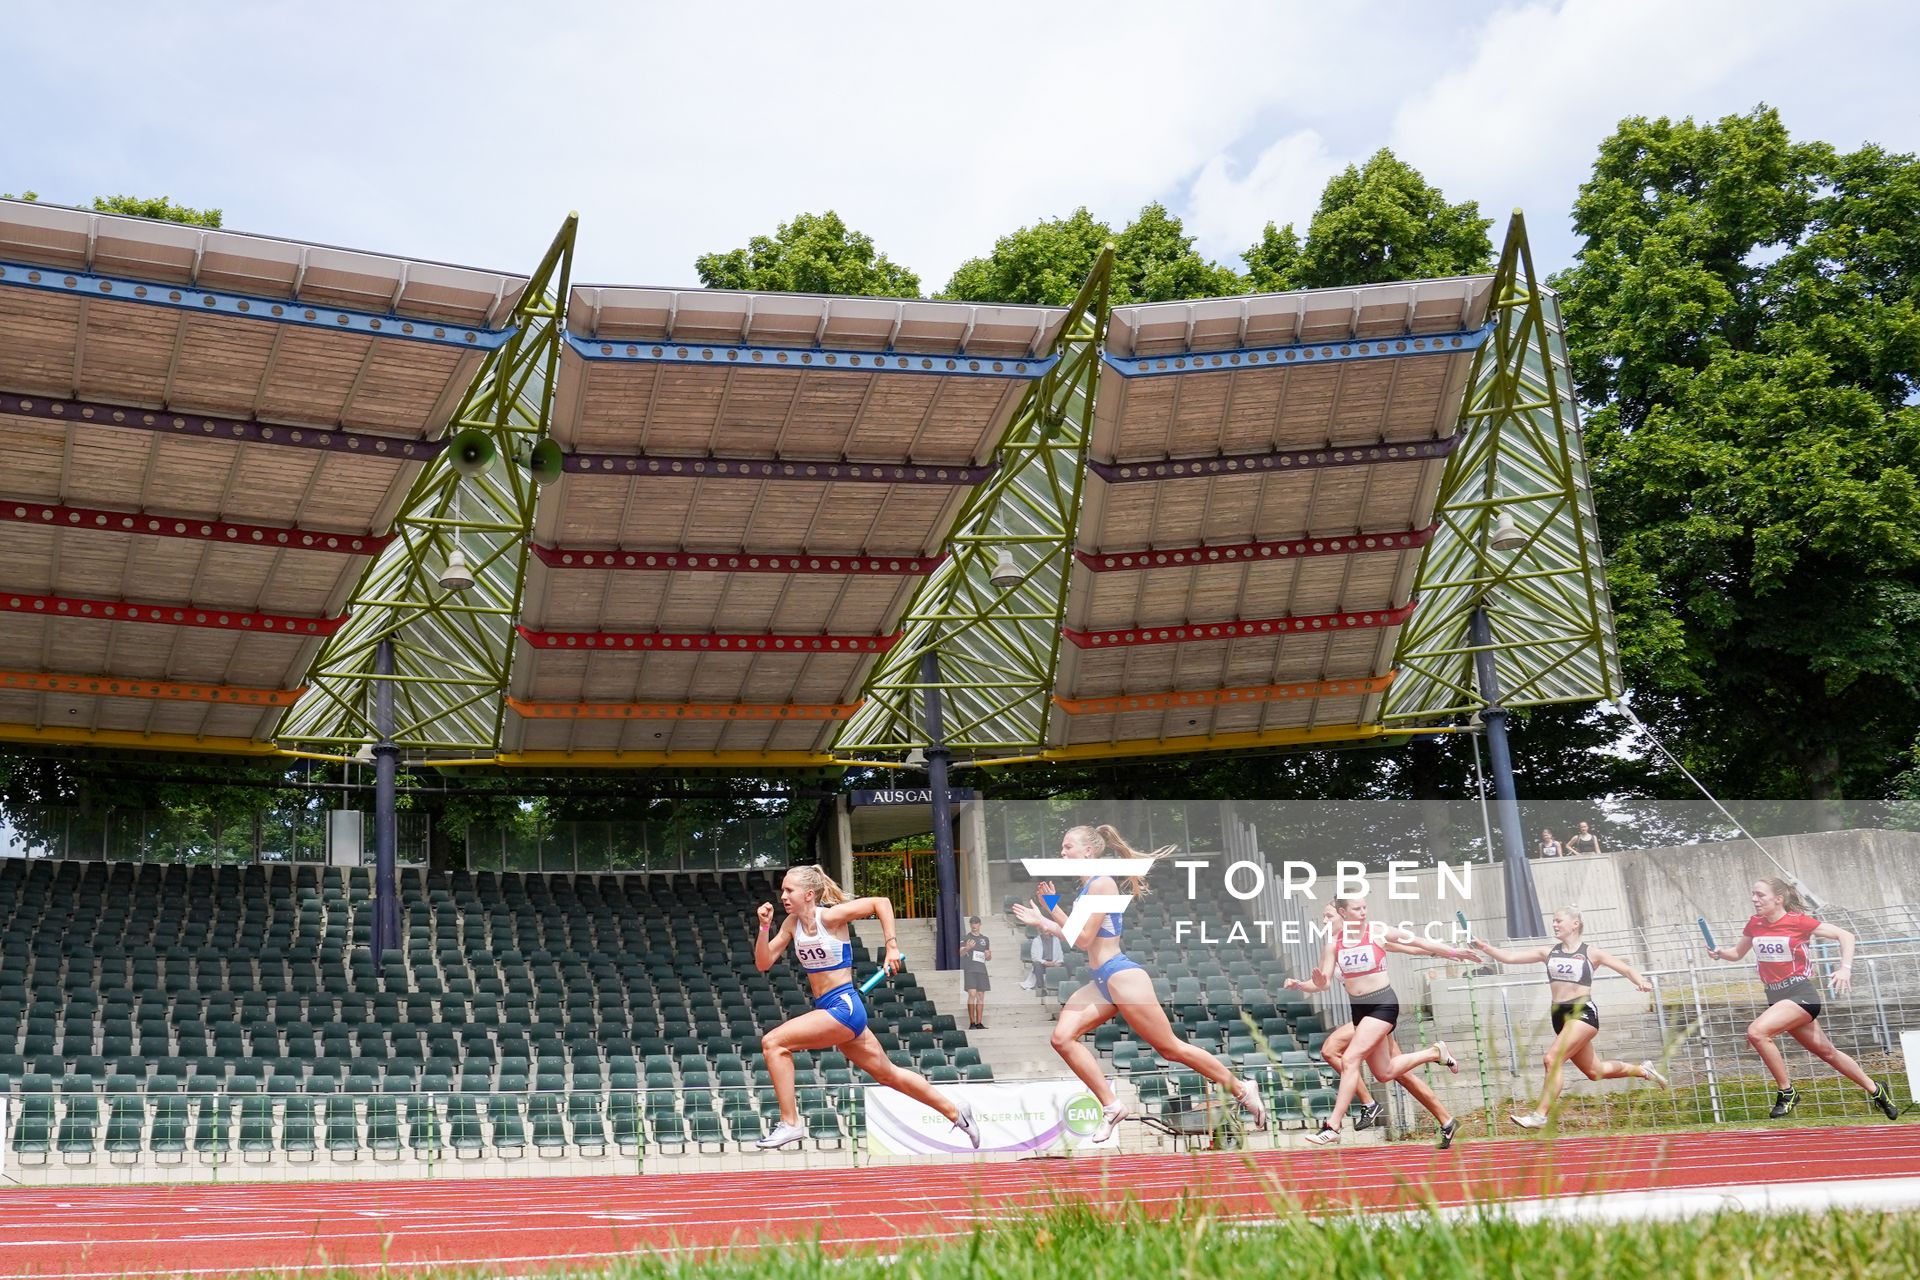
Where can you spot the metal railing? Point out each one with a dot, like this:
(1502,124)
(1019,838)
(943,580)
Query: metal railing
(1692,1026)
(592,845)
(213,1128)
(278,834)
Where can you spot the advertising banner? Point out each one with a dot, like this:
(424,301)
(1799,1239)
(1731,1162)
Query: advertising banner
(1028,1116)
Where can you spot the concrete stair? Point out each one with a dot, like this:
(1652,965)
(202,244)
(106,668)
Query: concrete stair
(1015,1043)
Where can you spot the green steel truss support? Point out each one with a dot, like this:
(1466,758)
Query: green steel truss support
(1520,471)
(453,650)
(998,646)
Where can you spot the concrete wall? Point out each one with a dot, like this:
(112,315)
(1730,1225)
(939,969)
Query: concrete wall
(1859,870)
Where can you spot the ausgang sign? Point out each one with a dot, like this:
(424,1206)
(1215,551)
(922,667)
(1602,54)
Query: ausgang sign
(910,795)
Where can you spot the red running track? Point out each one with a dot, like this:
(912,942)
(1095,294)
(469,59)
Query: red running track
(530,1224)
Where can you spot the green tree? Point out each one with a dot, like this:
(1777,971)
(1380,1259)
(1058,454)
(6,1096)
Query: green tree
(1743,327)
(143,207)
(1154,261)
(1376,222)
(815,253)
(157,207)
(1042,265)
(1273,261)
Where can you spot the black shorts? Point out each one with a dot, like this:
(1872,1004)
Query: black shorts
(1382,1004)
(1585,1010)
(1801,991)
(977,980)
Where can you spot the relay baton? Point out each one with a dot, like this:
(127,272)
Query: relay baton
(879,976)
(1460,918)
(1705,932)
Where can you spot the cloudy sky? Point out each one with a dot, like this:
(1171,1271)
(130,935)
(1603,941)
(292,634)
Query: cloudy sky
(465,132)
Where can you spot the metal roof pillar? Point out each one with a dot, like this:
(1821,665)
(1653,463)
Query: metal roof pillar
(385,934)
(1523,901)
(947,906)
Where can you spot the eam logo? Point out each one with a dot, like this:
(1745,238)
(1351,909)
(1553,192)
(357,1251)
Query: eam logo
(1089,905)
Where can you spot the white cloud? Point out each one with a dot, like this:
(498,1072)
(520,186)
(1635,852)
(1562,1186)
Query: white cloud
(1519,123)
(1226,209)
(466,131)
(1514,116)
(1547,83)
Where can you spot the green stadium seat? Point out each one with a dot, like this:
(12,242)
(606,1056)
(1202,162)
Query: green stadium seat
(669,1132)
(33,1125)
(509,1130)
(255,1134)
(585,1124)
(126,1127)
(212,1129)
(623,1120)
(823,1126)
(424,1134)
(79,1131)
(464,1132)
(342,1132)
(297,1128)
(544,1123)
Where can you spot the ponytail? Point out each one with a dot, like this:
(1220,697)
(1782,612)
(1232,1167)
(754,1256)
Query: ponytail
(1787,892)
(1103,839)
(814,878)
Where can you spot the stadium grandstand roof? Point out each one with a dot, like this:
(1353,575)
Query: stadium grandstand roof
(773,521)
(208,437)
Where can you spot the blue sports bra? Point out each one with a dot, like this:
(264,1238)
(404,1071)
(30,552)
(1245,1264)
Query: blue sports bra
(1112,922)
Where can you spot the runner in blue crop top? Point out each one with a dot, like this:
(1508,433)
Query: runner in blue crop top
(818,913)
(1119,986)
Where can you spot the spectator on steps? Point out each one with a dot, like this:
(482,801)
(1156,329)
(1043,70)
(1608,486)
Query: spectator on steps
(1043,953)
(975,951)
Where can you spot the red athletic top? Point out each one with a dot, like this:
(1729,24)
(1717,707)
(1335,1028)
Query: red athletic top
(1781,946)
(1361,957)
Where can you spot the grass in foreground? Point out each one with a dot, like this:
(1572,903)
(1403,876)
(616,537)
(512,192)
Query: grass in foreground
(1077,1243)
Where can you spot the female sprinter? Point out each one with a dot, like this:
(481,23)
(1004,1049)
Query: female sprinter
(1119,986)
(1367,1111)
(1778,935)
(1570,965)
(1359,954)
(817,915)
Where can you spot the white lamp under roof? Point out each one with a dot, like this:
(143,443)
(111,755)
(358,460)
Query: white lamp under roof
(1507,534)
(1006,572)
(457,576)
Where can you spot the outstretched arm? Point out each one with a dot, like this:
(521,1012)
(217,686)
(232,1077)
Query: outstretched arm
(1606,960)
(1055,922)
(1409,943)
(1738,951)
(1321,974)
(1527,955)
